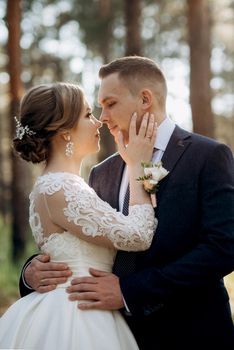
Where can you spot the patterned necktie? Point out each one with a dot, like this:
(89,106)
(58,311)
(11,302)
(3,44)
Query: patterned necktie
(125,261)
(126,202)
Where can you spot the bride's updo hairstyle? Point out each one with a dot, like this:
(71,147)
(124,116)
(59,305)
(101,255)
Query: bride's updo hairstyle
(44,111)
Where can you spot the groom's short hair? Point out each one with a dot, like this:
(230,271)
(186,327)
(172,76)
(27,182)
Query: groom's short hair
(137,72)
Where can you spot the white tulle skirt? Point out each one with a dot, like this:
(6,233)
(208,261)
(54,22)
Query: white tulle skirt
(51,322)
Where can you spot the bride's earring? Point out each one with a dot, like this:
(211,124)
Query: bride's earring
(69,148)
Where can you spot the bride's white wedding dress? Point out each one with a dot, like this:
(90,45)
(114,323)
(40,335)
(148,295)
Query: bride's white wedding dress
(50,321)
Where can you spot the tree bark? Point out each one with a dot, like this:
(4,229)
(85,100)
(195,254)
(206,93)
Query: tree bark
(105,14)
(199,28)
(20,170)
(2,182)
(107,141)
(133,33)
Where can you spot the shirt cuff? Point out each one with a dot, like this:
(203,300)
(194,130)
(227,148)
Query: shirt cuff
(127,311)
(22,275)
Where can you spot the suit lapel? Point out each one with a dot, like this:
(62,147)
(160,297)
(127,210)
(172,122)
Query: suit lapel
(178,143)
(115,181)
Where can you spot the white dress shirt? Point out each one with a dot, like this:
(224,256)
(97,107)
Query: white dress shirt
(164,133)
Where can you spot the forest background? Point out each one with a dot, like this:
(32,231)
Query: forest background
(68,40)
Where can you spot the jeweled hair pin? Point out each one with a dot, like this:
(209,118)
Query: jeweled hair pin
(22,130)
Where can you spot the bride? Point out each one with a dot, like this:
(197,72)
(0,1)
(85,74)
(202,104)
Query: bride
(71,223)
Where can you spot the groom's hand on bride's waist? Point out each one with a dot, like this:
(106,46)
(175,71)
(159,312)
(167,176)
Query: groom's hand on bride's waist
(102,288)
(43,275)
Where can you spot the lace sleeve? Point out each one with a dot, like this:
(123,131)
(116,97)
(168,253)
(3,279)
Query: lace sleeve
(76,207)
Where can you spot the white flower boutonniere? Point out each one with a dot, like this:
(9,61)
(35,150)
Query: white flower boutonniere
(153,173)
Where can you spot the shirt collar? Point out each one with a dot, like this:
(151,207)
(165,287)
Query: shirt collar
(164,133)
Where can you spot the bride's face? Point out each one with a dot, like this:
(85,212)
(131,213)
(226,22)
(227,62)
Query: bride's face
(85,135)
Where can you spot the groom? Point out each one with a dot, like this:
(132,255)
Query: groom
(172,295)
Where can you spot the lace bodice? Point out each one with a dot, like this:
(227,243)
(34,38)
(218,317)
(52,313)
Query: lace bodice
(75,207)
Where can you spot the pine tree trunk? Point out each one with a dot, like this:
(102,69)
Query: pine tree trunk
(107,140)
(20,170)
(2,184)
(199,28)
(133,34)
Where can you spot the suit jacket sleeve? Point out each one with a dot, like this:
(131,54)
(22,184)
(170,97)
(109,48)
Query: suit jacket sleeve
(208,261)
(24,290)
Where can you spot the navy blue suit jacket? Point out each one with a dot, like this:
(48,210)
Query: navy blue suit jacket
(176,294)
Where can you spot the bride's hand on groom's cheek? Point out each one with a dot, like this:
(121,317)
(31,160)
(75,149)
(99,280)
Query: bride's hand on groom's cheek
(141,140)
(43,275)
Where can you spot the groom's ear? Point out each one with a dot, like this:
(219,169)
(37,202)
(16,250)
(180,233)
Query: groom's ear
(146,97)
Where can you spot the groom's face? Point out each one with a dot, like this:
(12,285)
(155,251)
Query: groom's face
(118,104)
